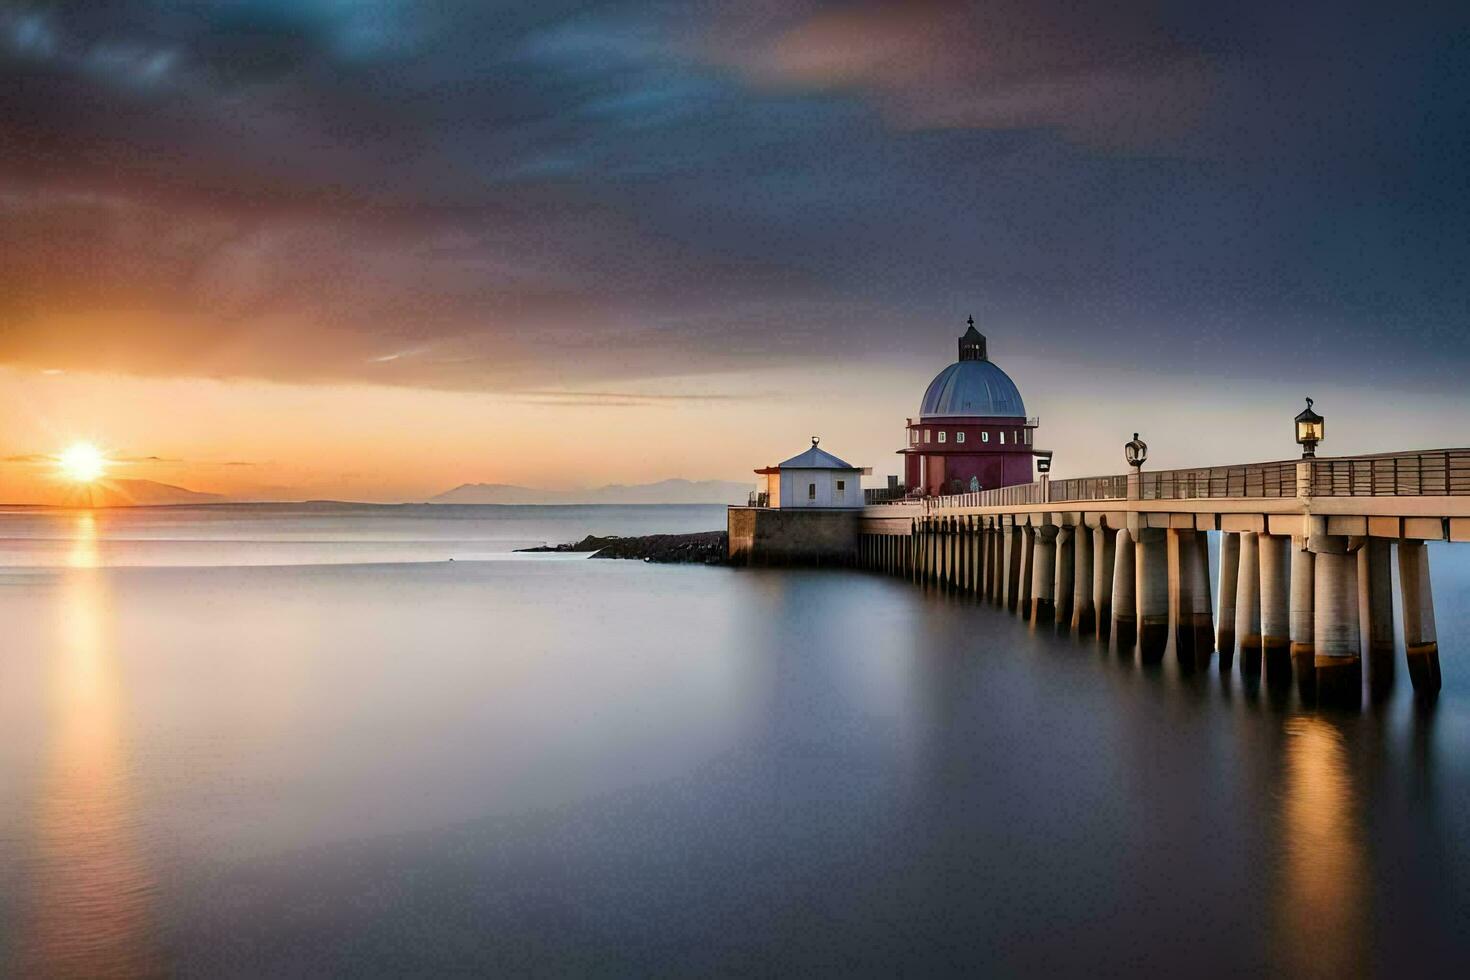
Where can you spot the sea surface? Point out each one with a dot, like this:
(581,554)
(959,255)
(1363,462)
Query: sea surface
(286,741)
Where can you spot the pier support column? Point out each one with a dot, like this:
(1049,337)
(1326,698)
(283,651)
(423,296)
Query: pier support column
(1420,641)
(1337,635)
(1043,574)
(1151,576)
(1180,545)
(997,591)
(1102,580)
(1027,577)
(1303,622)
(985,573)
(1375,613)
(1066,560)
(1125,595)
(1273,553)
(1248,605)
(1200,589)
(1013,553)
(1084,608)
(1229,576)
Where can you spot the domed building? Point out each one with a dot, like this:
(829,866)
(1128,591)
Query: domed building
(972,432)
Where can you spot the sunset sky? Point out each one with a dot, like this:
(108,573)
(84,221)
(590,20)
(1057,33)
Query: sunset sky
(376,249)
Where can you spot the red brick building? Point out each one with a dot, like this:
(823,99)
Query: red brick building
(972,432)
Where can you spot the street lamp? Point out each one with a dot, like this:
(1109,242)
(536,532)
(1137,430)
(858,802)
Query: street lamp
(1311,429)
(1043,461)
(1136,452)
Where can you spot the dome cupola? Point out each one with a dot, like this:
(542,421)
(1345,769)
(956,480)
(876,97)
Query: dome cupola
(973,385)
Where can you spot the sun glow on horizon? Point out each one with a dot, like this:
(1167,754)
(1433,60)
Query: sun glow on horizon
(82,463)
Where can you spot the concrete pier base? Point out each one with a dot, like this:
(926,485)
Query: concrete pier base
(1228,583)
(1043,575)
(1274,554)
(1421,643)
(1303,621)
(1125,596)
(1200,589)
(1012,558)
(1375,614)
(1084,609)
(1151,577)
(997,591)
(1248,605)
(1065,557)
(1026,579)
(1180,546)
(1337,634)
(1102,580)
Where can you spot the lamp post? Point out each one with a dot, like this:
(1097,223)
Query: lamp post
(1043,461)
(1311,429)
(1136,452)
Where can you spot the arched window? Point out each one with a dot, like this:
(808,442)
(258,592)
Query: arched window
(959,437)
(941,435)
(985,437)
(1002,438)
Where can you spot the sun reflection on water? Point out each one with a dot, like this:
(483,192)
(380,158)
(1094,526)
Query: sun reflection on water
(1321,917)
(90,891)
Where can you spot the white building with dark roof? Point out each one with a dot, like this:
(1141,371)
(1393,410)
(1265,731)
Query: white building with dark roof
(812,479)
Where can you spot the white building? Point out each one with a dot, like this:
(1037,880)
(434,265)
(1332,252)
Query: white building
(815,478)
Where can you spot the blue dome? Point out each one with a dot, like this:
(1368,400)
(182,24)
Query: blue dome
(972,387)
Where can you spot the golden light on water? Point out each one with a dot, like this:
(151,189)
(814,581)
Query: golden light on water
(88,910)
(82,462)
(1322,918)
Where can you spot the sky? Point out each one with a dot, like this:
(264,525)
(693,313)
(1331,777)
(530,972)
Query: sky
(376,249)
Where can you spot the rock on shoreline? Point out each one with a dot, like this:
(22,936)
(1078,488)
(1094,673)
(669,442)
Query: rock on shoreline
(697,548)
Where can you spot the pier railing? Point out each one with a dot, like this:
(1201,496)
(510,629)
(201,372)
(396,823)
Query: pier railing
(1438,472)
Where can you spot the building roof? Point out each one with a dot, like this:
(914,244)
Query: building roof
(815,459)
(972,387)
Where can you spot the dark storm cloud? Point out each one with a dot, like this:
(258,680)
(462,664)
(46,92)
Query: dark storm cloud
(498,195)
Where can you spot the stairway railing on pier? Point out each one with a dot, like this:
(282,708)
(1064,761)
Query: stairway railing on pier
(1439,472)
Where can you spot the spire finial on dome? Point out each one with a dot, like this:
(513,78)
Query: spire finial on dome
(972,344)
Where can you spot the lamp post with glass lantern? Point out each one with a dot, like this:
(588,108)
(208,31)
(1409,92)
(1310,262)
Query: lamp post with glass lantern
(1311,429)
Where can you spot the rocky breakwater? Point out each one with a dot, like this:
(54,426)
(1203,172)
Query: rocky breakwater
(698,548)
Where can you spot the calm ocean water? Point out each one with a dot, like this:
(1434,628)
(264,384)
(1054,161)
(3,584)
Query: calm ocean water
(266,741)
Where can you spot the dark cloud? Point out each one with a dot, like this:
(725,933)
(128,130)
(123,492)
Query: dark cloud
(502,195)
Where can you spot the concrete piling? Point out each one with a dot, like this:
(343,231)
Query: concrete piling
(1248,605)
(1027,577)
(1151,576)
(1084,607)
(1102,580)
(1199,588)
(1421,644)
(1336,633)
(1124,601)
(1065,558)
(1043,574)
(1228,583)
(1375,614)
(1303,621)
(1180,558)
(1273,554)
(1011,558)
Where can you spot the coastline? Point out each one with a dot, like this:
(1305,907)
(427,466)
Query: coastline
(694,548)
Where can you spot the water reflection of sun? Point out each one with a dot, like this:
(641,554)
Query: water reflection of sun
(90,895)
(1321,916)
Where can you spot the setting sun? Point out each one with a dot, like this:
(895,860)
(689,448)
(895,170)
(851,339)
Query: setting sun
(82,463)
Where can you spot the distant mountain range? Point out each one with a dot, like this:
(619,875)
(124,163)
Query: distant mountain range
(663,492)
(136,493)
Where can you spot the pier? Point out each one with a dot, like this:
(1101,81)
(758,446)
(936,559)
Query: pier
(1304,573)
